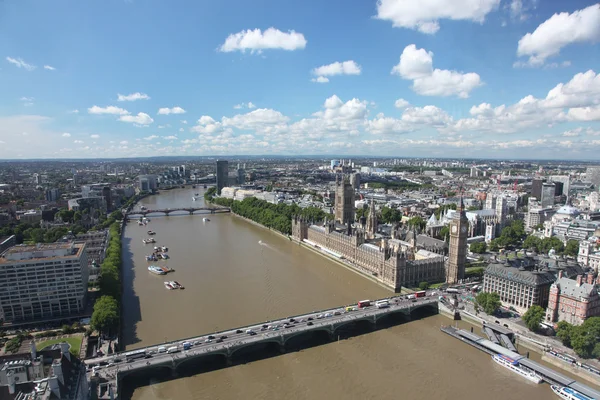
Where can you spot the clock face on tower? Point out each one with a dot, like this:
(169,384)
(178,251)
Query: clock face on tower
(463,229)
(454,228)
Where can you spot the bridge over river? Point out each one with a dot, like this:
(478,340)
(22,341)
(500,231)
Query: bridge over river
(231,346)
(181,210)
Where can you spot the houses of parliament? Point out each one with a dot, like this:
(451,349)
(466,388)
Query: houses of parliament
(393,262)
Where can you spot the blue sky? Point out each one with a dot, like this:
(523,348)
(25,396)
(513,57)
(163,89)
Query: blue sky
(450,78)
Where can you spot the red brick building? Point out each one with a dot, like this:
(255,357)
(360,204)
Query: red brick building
(573,301)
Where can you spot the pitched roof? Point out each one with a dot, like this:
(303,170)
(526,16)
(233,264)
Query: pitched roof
(520,275)
(568,287)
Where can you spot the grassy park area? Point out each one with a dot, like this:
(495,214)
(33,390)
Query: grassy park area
(74,341)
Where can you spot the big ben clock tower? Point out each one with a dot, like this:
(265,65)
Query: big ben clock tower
(457,254)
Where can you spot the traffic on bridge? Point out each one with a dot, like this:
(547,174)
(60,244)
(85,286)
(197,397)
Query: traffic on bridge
(110,369)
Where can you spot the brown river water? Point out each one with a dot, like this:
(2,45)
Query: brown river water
(237,273)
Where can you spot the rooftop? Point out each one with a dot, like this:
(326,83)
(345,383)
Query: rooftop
(42,251)
(569,287)
(520,274)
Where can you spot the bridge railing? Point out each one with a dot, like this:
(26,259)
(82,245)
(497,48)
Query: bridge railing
(217,333)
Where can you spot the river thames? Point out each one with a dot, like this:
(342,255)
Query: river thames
(237,273)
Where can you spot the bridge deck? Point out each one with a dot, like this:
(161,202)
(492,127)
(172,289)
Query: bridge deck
(234,341)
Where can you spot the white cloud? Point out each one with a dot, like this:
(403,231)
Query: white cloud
(123,142)
(181,129)
(320,79)
(183,121)
(401,103)
(27,99)
(572,133)
(132,97)
(424,15)
(338,68)
(581,91)
(151,137)
(417,65)
(559,31)
(20,63)
(107,110)
(66,134)
(95,136)
(78,141)
(49,68)
(139,119)
(174,110)
(249,105)
(172,137)
(74,111)
(256,41)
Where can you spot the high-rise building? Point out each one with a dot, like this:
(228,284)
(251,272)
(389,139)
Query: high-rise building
(107,194)
(241,175)
(37,179)
(548,192)
(222,175)
(147,183)
(457,252)
(43,281)
(536,188)
(344,201)
(593,175)
(52,195)
(566,183)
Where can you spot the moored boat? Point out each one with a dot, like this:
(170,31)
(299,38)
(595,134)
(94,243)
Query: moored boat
(168,286)
(151,233)
(205,219)
(156,270)
(569,394)
(513,365)
(149,240)
(178,285)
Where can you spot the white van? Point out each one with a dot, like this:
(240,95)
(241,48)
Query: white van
(162,349)
(172,349)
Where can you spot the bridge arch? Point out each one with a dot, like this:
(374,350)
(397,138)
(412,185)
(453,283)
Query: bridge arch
(424,310)
(354,327)
(256,351)
(158,371)
(196,363)
(308,338)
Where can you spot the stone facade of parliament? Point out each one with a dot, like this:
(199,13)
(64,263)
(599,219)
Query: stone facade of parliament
(391,262)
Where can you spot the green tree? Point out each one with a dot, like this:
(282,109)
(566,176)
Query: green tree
(445,233)
(478,247)
(585,338)
(494,245)
(489,302)
(417,223)
(105,317)
(572,248)
(210,193)
(390,215)
(532,242)
(564,331)
(533,317)
(424,285)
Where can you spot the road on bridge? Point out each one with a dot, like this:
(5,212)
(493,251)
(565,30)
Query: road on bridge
(234,338)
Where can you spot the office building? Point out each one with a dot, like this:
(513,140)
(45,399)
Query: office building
(536,188)
(593,176)
(43,281)
(355,181)
(147,183)
(548,193)
(573,300)
(52,195)
(241,175)
(565,180)
(222,175)
(518,283)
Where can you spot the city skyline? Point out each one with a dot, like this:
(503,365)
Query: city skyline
(489,79)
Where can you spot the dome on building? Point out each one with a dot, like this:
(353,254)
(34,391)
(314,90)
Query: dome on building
(568,210)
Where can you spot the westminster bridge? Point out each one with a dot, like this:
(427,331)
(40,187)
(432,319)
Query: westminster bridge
(236,345)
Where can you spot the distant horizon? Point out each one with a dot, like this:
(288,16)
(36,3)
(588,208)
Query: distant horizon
(307,156)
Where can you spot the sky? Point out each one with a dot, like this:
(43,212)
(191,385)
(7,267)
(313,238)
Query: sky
(400,78)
